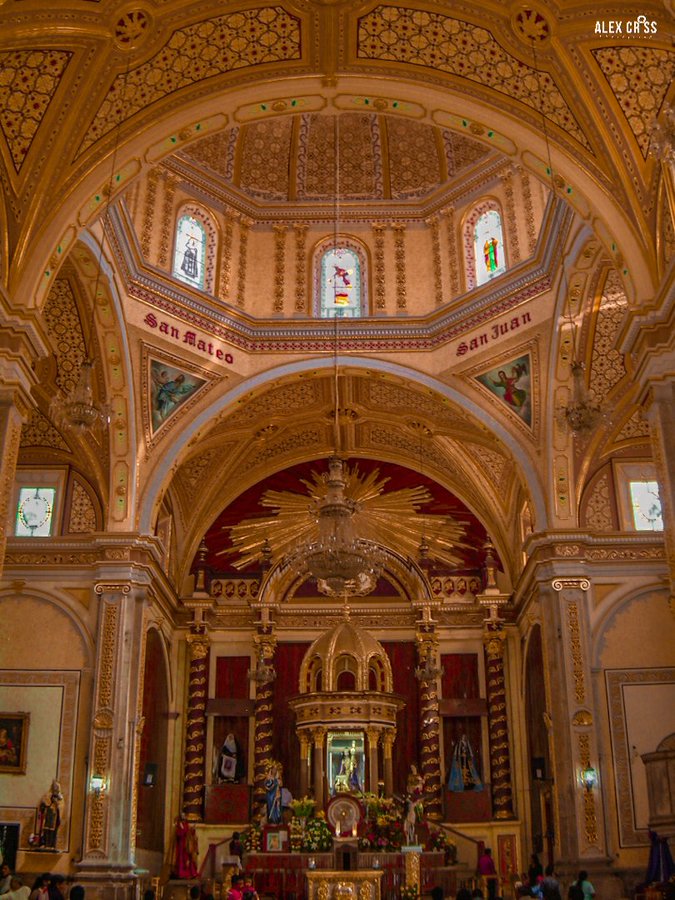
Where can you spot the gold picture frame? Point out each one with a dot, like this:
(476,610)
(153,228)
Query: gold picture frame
(13,742)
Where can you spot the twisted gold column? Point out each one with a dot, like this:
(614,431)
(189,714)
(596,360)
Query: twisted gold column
(498,726)
(266,643)
(195,733)
(430,762)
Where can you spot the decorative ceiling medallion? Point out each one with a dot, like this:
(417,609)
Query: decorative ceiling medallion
(132,28)
(531,25)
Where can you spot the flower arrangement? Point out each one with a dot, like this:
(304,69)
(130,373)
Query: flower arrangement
(253,839)
(383,834)
(440,840)
(409,892)
(317,837)
(303,808)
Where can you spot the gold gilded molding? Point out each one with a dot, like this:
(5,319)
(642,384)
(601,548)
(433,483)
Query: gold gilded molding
(590,815)
(575,650)
(107,658)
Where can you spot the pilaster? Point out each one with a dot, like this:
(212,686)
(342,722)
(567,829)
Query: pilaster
(110,816)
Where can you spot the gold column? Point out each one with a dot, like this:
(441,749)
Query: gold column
(388,744)
(265,642)
(413,876)
(430,763)
(319,736)
(304,771)
(498,726)
(194,767)
(373,735)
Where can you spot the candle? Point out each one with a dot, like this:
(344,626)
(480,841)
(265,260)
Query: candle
(354,831)
(337,829)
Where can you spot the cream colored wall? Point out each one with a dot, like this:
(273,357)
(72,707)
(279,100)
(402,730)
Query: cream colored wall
(147,209)
(46,672)
(635,639)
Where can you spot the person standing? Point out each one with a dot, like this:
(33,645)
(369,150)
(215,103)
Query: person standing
(488,872)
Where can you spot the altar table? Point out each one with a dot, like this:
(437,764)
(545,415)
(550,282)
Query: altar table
(329,884)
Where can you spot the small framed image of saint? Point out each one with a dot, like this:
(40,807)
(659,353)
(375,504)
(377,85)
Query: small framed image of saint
(13,742)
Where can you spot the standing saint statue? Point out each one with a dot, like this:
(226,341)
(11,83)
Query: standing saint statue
(48,817)
(273,793)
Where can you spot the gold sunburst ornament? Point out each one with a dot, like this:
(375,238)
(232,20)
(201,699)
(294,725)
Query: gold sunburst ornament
(339,531)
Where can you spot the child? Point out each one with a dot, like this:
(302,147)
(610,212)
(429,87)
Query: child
(249,891)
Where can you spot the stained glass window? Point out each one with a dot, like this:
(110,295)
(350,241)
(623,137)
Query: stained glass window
(646,504)
(190,251)
(488,243)
(340,284)
(34,512)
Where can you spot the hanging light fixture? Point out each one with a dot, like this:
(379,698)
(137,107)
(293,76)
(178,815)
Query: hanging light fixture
(79,410)
(339,560)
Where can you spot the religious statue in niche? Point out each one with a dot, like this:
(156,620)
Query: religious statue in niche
(229,762)
(463,772)
(48,817)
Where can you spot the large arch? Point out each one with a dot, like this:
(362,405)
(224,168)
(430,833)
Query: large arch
(525,144)
(159,477)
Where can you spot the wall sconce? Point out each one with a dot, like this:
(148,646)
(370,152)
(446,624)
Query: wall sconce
(589,777)
(98,785)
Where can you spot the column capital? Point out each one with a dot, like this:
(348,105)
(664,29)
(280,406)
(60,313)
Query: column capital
(561,584)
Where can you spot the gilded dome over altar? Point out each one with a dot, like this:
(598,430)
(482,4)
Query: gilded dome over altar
(346,658)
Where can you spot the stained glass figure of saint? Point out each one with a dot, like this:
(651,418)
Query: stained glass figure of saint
(340,284)
(489,247)
(188,258)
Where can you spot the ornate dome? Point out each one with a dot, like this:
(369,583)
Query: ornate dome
(346,658)
(292,159)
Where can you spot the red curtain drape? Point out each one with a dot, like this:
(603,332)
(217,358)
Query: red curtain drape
(287,661)
(403,658)
(232,677)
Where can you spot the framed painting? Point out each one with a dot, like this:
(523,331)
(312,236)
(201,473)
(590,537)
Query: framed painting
(13,742)
(275,839)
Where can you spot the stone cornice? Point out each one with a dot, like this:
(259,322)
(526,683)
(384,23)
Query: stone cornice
(155,288)
(108,557)
(578,553)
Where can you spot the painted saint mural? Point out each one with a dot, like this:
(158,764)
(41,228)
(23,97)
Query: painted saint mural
(170,388)
(511,383)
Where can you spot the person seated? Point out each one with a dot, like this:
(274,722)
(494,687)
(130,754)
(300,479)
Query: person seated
(18,890)
(5,878)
